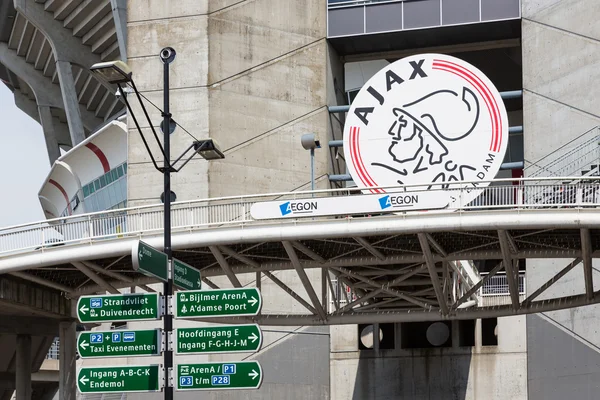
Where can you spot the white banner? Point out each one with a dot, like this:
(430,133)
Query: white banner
(360,204)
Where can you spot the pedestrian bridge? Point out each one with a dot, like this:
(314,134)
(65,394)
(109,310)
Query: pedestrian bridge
(376,267)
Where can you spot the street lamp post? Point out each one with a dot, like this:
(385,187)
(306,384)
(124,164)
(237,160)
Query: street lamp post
(119,73)
(311,142)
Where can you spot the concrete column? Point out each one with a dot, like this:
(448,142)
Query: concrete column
(23,367)
(69,95)
(478,337)
(119,11)
(49,133)
(67,374)
(455,332)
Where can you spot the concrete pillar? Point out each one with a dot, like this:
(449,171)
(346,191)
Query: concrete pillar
(119,11)
(23,367)
(67,374)
(455,332)
(478,337)
(50,133)
(69,94)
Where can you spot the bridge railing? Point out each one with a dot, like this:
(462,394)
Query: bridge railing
(524,193)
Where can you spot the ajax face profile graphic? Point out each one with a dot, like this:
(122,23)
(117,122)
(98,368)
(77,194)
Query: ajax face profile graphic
(427,119)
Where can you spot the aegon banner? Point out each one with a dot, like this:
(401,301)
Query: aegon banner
(426,118)
(362,204)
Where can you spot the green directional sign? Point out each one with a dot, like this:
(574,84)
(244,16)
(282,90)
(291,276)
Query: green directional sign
(119,379)
(149,261)
(219,339)
(118,307)
(185,276)
(119,343)
(219,376)
(217,303)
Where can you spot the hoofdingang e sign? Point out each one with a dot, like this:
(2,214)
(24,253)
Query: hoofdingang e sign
(429,118)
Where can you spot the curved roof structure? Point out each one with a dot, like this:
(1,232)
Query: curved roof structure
(46,49)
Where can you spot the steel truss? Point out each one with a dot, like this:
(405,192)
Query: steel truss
(369,275)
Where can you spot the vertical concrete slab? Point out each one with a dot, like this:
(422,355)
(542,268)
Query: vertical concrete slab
(67,386)
(23,368)
(561,60)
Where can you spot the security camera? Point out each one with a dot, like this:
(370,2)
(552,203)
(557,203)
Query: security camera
(167,55)
(310,141)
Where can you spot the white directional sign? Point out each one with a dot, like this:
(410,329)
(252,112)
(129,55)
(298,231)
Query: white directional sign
(362,204)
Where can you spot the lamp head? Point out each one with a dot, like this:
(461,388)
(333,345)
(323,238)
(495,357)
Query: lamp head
(310,141)
(208,149)
(112,71)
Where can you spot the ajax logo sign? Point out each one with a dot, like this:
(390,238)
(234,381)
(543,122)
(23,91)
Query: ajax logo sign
(431,119)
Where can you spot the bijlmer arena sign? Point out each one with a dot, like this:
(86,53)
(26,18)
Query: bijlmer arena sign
(428,120)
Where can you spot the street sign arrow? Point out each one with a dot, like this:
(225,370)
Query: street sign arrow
(119,307)
(218,303)
(253,337)
(218,339)
(119,343)
(149,261)
(219,376)
(145,378)
(185,276)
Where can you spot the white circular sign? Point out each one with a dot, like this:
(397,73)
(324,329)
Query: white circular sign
(426,119)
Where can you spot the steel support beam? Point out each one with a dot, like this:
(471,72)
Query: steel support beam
(435,279)
(304,279)
(289,291)
(369,247)
(424,303)
(240,257)
(508,266)
(94,277)
(586,255)
(304,249)
(41,281)
(476,287)
(550,282)
(225,265)
(107,272)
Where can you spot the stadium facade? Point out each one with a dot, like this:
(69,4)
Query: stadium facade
(255,75)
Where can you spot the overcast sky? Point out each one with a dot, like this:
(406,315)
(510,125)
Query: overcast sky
(24,163)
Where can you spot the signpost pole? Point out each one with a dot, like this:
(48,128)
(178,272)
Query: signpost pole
(168,285)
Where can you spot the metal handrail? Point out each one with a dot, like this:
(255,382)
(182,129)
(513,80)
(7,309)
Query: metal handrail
(523,193)
(571,160)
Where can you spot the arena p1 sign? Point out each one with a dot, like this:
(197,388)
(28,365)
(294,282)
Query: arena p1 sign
(431,119)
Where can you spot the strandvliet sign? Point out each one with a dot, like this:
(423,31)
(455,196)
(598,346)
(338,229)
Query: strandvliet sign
(338,205)
(427,118)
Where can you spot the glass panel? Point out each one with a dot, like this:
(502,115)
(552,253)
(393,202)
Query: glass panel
(86,191)
(97,184)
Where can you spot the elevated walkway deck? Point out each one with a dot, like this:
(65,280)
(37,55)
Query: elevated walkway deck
(398,264)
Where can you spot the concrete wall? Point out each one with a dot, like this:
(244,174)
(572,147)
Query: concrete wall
(561,60)
(457,373)
(254,76)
